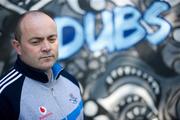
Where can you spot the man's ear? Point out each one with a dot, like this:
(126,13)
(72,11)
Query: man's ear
(16,45)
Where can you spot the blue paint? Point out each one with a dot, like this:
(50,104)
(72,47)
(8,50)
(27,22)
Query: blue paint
(122,28)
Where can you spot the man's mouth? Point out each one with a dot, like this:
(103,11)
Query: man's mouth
(44,57)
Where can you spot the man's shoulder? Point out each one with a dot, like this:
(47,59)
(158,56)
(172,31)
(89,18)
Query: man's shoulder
(70,77)
(9,78)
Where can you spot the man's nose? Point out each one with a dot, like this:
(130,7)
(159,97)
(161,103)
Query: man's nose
(46,46)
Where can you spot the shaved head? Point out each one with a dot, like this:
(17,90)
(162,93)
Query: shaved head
(27,17)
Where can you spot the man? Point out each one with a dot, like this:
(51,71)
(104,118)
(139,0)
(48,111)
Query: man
(37,88)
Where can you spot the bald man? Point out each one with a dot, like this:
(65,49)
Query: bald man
(38,88)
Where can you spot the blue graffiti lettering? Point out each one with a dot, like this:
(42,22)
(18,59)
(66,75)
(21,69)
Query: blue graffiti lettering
(69,47)
(151,16)
(122,28)
(104,39)
(128,30)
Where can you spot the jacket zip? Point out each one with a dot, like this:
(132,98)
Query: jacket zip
(54,96)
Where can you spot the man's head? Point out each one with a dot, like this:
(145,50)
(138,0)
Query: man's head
(36,40)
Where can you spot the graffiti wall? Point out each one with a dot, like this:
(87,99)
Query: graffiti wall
(125,53)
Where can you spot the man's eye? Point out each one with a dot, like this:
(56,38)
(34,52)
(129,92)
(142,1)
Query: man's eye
(52,40)
(35,42)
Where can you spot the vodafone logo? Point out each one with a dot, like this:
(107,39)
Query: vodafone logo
(42,110)
(44,113)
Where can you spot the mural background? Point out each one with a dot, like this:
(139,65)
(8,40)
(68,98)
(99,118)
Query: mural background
(125,53)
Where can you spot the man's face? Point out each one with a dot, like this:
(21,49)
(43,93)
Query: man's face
(39,45)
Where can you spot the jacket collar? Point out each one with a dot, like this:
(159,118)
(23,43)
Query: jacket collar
(34,73)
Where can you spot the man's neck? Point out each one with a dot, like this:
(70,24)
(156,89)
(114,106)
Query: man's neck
(49,74)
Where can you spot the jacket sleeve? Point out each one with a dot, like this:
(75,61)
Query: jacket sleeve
(5,109)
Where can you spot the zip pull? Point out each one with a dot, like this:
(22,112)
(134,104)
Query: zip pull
(52,90)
